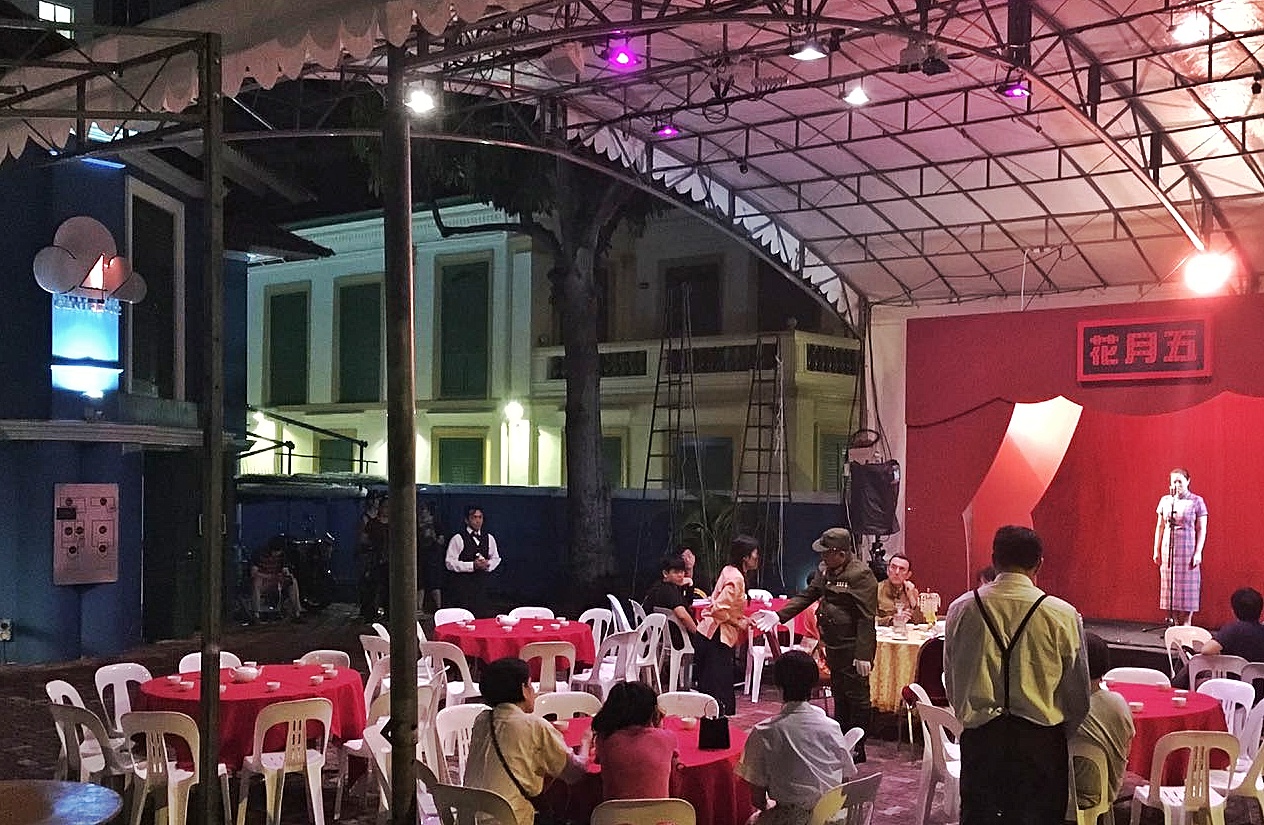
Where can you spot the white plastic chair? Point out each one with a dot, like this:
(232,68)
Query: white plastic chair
(549,653)
(566,705)
(855,799)
(459,690)
(296,758)
(1179,640)
(679,659)
(90,753)
(61,692)
(337,658)
(1245,781)
(638,611)
(465,806)
(643,812)
(1220,666)
(1236,699)
(1100,789)
(453,726)
(612,665)
(113,683)
(852,738)
(380,629)
(379,680)
(601,621)
(1137,676)
(450,615)
(620,617)
(192,662)
(380,749)
(375,647)
(649,649)
(688,703)
(937,766)
(758,654)
(159,770)
(1252,673)
(1179,803)
(529,612)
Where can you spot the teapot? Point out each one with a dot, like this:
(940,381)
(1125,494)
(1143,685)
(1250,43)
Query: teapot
(245,674)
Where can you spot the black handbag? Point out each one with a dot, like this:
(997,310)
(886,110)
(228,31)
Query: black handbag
(713,733)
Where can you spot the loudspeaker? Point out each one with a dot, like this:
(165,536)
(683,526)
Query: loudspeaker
(871,502)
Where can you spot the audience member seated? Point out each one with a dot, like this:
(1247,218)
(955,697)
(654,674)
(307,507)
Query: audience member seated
(268,572)
(795,756)
(669,594)
(1244,636)
(638,758)
(1108,726)
(897,594)
(694,586)
(512,752)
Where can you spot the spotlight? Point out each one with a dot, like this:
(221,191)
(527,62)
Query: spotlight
(1014,89)
(420,100)
(1207,272)
(665,129)
(1255,84)
(857,96)
(934,65)
(1193,28)
(620,57)
(809,48)
(743,166)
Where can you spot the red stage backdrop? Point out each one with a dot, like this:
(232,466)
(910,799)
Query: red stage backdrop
(1097,516)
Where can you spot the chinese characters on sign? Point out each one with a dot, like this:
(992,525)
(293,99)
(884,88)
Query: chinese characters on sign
(1144,349)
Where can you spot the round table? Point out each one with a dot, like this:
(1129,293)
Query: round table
(489,641)
(50,802)
(1159,717)
(894,666)
(240,703)
(707,781)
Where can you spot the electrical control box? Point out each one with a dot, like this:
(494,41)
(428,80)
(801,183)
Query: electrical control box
(85,533)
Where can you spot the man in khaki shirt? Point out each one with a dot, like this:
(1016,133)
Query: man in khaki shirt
(897,593)
(1017,677)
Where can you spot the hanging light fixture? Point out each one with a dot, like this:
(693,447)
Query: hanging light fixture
(665,129)
(808,48)
(1207,271)
(857,96)
(1014,88)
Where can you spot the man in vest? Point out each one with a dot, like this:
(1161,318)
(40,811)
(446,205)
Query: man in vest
(1016,672)
(471,556)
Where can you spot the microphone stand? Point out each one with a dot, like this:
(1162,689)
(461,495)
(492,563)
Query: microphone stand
(1170,621)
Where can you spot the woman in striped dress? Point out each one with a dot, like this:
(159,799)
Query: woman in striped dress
(1179,535)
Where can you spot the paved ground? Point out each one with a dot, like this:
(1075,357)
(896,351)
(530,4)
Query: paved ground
(28,744)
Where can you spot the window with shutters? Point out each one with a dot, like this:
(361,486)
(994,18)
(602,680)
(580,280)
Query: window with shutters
(706,459)
(286,345)
(612,460)
(701,283)
(359,342)
(831,458)
(459,456)
(336,455)
(464,323)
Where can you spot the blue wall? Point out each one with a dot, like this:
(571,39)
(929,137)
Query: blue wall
(530,528)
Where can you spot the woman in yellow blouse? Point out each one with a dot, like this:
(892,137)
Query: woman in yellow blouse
(723,625)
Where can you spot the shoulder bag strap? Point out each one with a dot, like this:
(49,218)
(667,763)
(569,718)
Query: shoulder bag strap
(491,730)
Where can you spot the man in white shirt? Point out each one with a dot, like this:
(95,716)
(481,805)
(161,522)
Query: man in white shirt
(1017,678)
(472,554)
(1108,725)
(529,746)
(797,755)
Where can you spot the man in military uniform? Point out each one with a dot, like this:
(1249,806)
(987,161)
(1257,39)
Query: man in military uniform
(848,595)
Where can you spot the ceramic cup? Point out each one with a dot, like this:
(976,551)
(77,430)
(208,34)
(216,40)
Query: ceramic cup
(561,724)
(327,666)
(298,662)
(1136,707)
(174,679)
(223,688)
(556,626)
(271,686)
(186,686)
(689,722)
(538,627)
(316,680)
(1179,701)
(1182,692)
(331,673)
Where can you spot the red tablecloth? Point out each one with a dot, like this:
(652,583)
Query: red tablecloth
(240,704)
(489,641)
(1160,717)
(707,781)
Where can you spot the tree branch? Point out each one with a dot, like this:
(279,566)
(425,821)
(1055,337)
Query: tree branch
(525,226)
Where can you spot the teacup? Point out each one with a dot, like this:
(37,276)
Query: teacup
(689,722)
(1179,701)
(327,666)
(556,626)
(563,620)
(332,673)
(538,627)
(175,679)
(782,596)
(223,688)
(186,686)
(1136,707)
(561,724)
(271,686)
(316,680)
(298,662)
(1182,692)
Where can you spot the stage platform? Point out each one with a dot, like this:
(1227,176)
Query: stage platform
(1132,644)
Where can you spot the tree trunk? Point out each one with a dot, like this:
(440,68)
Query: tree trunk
(587,491)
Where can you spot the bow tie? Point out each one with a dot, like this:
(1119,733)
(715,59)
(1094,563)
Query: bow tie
(476,535)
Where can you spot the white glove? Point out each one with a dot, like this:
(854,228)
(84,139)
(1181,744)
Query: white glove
(765,620)
(862,668)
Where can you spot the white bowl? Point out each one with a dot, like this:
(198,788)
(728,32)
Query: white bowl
(186,686)
(689,722)
(561,724)
(272,686)
(175,679)
(316,680)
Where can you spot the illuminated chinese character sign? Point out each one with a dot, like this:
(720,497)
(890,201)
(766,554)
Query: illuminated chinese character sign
(1144,349)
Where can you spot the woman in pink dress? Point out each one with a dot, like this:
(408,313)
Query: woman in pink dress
(638,758)
(723,625)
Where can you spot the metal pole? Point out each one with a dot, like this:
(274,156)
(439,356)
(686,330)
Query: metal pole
(401,438)
(211,413)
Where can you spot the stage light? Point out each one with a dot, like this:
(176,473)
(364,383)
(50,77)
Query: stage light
(857,96)
(1207,272)
(1192,28)
(1014,89)
(807,49)
(620,56)
(665,129)
(420,100)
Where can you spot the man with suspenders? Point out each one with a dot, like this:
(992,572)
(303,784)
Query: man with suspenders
(1016,672)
